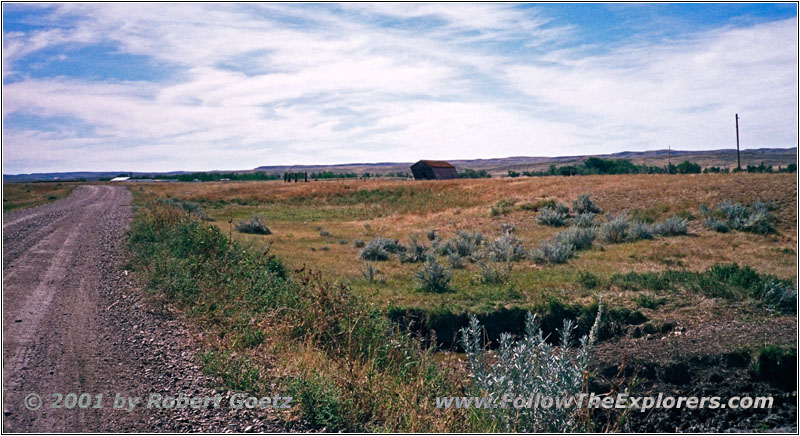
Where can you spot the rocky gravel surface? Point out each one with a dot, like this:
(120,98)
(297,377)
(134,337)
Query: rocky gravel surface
(75,322)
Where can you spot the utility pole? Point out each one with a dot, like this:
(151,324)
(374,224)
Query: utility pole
(669,159)
(738,158)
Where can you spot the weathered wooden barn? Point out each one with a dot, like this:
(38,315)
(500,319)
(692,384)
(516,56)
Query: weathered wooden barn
(434,170)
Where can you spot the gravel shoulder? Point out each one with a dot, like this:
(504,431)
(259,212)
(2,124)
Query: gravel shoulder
(74,322)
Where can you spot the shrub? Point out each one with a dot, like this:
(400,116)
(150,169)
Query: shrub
(578,237)
(550,216)
(553,251)
(672,226)
(778,295)
(369,272)
(588,280)
(416,250)
(455,261)
(433,276)
(585,219)
(503,207)
(688,167)
(320,401)
(527,366)
(254,226)
(733,211)
(507,248)
(584,204)
(614,230)
(464,243)
(730,215)
(639,230)
(190,207)
(760,222)
(716,225)
(358,243)
(649,302)
(494,274)
(539,204)
(380,249)
(432,235)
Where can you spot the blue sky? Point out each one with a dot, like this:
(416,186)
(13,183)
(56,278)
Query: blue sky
(161,87)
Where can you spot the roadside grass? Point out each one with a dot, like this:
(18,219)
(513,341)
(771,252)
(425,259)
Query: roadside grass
(24,195)
(343,361)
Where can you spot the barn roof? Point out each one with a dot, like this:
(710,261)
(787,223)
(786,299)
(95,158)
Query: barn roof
(438,163)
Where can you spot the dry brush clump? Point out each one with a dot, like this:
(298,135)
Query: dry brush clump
(584,219)
(580,238)
(253,226)
(618,229)
(416,250)
(555,216)
(614,230)
(672,226)
(639,230)
(507,248)
(552,251)
(529,365)
(584,204)
(191,207)
(729,215)
(381,248)
(372,274)
(433,276)
(494,273)
(465,243)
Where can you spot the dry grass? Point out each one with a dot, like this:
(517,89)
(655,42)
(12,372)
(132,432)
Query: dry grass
(315,225)
(360,210)
(22,195)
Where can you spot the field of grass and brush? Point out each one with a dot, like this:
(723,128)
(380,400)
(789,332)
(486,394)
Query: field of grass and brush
(354,296)
(22,195)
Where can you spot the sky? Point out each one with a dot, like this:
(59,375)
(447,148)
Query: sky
(210,86)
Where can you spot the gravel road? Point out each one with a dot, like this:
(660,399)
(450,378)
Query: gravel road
(73,322)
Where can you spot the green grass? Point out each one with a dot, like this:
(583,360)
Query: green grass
(649,302)
(729,281)
(503,207)
(392,200)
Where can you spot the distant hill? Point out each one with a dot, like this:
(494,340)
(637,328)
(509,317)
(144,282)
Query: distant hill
(719,158)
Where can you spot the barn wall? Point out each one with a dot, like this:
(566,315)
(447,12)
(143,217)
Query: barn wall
(423,171)
(445,173)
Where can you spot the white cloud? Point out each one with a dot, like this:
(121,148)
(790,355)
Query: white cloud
(281,84)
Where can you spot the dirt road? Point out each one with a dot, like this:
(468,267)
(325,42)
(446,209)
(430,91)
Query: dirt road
(74,323)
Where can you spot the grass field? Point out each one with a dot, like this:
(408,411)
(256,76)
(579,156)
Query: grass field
(316,225)
(21,195)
